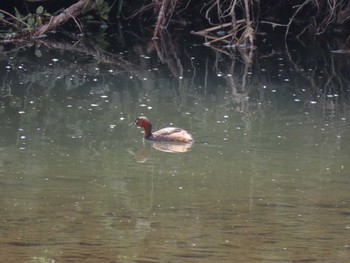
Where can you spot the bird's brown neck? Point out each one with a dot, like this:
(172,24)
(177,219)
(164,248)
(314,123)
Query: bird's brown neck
(148,130)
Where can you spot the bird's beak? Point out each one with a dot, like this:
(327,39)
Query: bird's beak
(133,123)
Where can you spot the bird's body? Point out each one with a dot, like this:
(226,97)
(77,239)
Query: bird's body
(169,134)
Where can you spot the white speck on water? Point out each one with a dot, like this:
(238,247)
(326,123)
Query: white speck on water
(296,100)
(21,112)
(69,106)
(180,188)
(112,126)
(23,137)
(94,105)
(144,78)
(121,118)
(286,80)
(55,59)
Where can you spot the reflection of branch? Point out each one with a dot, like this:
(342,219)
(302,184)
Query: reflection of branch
(293,16)
(101,56)
(167,53)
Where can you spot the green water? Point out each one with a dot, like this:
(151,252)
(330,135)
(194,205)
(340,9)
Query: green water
(267,179)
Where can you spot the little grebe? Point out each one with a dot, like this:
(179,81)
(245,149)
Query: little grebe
(169,134)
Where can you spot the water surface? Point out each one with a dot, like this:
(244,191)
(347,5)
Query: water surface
(267,179)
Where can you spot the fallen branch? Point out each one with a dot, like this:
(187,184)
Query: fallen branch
(71,12)
(81,7)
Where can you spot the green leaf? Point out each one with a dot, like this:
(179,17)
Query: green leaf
(40,10)
(39,21)
(18,14)
(31,21)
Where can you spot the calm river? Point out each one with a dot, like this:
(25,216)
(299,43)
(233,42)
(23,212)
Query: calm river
(267,179)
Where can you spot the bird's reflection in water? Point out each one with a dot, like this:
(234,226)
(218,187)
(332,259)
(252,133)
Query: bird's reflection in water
(142,154)
(172,147)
